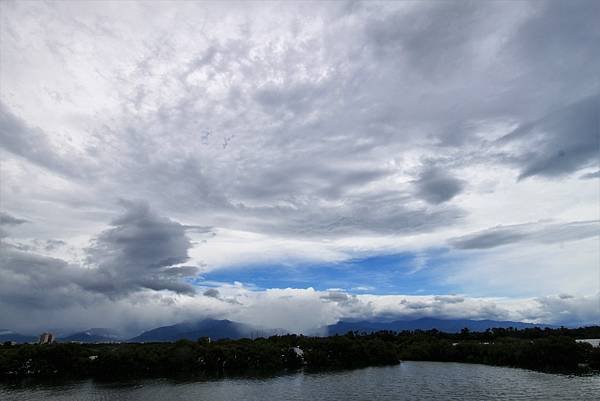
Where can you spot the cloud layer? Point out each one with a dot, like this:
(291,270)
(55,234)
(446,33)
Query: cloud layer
(163,154)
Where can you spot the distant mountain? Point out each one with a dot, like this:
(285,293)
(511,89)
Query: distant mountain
(446,325)
(94,335)
(215,329)
(219,329)
(7,335)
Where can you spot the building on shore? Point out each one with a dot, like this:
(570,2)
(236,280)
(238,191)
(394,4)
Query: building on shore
(594,342)
(46,338)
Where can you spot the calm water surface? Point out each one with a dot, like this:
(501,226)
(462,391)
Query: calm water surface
(408,381)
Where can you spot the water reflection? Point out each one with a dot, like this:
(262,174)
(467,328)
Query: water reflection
(409,381)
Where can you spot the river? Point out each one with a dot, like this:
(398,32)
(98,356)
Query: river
(408,381)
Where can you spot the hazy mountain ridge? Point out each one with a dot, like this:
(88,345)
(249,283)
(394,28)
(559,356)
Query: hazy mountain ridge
(446,325)
(215,329)
(220,329)
(8,335)
(93,335)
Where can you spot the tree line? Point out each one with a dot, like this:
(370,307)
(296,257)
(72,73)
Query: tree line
(552,350)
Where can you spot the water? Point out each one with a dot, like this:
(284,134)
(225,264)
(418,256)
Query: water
(408,381)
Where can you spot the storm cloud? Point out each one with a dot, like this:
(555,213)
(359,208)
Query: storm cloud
(141,251)
(436,186)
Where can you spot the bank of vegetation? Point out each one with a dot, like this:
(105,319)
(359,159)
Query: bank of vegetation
(551,350)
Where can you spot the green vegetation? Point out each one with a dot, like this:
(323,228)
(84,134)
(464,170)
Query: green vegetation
(549,350)
(186,357)
(553,350)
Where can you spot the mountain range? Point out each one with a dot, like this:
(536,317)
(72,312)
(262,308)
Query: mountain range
(11,336)
(219,329)
(446,325)
(94,335)
(215,329)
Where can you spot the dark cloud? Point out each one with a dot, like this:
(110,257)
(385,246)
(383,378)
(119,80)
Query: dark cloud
(554,39)
(434,38)
(449,299)
(539,232)
(541,61)
(489,238)
(416,305)
(383,213)
(216,294)
(30,280)
(589,176)
(335,296)
(573,231)
(141,250)
(299,176)
(342,299)
(563,142)
(212,293)
(437,186)
(7,219)
(53,244)
(33,145)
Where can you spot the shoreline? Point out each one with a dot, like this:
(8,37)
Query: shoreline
(549,351)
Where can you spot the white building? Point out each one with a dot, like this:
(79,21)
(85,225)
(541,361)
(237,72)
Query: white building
(595,342)
(46,338)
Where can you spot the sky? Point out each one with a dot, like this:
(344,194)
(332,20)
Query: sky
(291,164)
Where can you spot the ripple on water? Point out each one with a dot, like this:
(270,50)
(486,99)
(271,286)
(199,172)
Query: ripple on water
(408,381)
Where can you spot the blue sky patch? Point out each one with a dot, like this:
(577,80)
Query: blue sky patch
(405,273)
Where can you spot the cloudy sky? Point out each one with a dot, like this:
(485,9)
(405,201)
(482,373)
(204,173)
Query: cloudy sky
(292,164)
